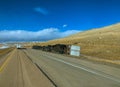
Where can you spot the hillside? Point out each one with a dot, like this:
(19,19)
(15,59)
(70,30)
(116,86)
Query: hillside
(102,43)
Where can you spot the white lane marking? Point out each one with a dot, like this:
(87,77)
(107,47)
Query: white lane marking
(85,69)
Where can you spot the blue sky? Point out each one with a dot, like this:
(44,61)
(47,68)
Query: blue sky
(64,17)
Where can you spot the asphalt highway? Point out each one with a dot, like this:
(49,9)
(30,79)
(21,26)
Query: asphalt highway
(71,72)
(35,68)
(18,71)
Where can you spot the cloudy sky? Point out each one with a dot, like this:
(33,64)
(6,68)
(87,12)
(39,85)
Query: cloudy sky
(41,20)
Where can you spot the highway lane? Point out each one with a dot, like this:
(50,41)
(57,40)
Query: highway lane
(66,73)
(19,71)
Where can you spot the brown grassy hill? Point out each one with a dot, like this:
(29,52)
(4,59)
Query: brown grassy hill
(102,43)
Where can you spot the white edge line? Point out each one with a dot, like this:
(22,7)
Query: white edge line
(88,70)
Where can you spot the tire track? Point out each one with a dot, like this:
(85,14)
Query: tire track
(20,72)
(41,70)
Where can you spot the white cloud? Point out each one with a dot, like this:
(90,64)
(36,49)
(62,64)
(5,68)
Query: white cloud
(41,10)
(65,25)
(41,35)
(69,32)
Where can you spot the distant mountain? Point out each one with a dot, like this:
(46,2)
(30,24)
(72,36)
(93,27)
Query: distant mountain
(102,42)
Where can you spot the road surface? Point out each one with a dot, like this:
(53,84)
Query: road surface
(18,71)
(35,68)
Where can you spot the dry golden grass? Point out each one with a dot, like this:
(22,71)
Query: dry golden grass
(103,43)
(4,51)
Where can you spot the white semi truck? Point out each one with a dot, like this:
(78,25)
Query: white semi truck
(18,46)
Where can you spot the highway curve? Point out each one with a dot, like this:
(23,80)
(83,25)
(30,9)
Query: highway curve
(19,71)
